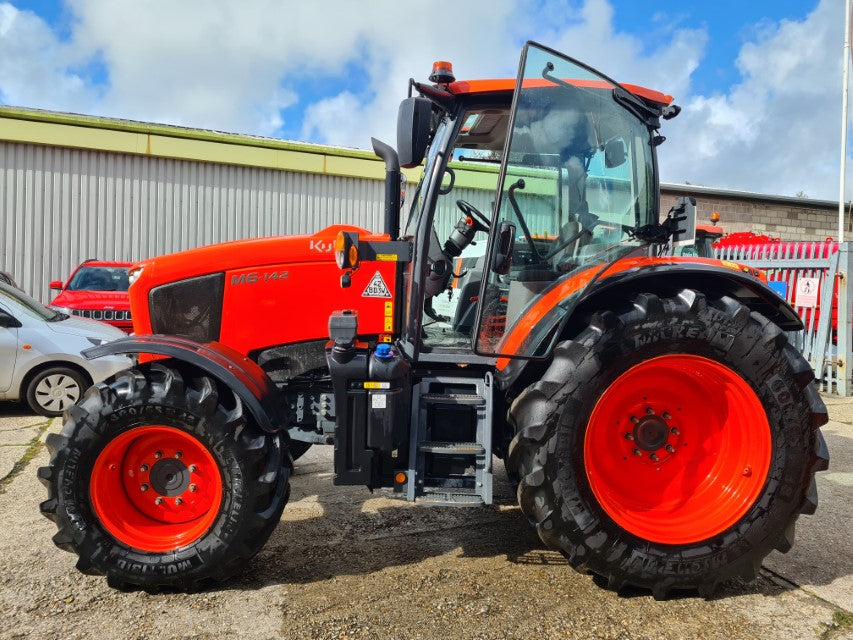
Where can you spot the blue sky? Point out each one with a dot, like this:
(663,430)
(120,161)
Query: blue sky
(760,82)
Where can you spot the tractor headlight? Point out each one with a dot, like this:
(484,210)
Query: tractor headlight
(346,250)
(191,308)
(133,274)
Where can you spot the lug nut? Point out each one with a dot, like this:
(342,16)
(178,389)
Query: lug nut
(158,454)
(179,455)
(158,500)
(143,487)
(666,416)
(192,468)
(178,501)
(637,452)
(193,487)
(635,419)
(629,436)
(143,468)
(650,411)
(670,448)
(675,431)
(653,457)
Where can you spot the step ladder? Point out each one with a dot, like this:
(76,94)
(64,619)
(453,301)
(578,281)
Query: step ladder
(450,443)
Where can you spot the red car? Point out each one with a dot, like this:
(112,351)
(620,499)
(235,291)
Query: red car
(97,289)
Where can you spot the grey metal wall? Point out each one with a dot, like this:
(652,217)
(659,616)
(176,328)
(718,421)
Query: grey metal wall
(60,206)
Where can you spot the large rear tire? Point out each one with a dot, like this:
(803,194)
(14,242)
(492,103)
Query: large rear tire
(671,446)
(158,480)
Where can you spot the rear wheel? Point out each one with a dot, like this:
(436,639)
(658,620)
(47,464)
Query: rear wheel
(156,480)
(672,446)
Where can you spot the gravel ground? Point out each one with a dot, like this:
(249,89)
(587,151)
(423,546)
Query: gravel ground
(345,563)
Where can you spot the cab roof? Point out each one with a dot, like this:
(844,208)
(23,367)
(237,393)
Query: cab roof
(471,87)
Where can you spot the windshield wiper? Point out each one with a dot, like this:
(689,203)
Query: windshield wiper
(645,112)
(58,316)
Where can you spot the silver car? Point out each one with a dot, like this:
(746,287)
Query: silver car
(40,359)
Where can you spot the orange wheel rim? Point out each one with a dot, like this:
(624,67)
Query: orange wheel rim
(677,449)
(156,488)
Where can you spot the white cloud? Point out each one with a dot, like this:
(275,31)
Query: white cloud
(777,130)
(236,66)
(36,69)
(486,44)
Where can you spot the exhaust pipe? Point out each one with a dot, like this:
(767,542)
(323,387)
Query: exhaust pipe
(392,187)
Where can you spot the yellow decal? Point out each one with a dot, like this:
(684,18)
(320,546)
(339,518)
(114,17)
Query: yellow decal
(389,324)
(386,257)
(731,265)
(377,385)
(389,308)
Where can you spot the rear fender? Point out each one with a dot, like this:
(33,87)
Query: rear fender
(669,279)
(666,281)
(240,374)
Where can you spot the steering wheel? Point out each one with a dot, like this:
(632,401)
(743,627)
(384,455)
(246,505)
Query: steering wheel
(481,222)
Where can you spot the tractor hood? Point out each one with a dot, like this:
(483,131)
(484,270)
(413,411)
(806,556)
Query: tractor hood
(238,254)
(256,293)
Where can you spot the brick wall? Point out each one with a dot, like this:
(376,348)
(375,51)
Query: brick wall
(786,218)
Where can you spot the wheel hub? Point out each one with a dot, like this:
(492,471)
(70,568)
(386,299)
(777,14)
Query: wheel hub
(156,488)
(672,461)
(169,477)
(651,433)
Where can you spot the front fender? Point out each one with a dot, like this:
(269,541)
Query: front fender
(240,374)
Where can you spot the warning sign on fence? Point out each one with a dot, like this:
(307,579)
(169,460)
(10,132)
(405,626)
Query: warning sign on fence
(806,293)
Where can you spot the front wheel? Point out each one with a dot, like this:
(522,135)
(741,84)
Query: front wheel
(158,479)
(671,446)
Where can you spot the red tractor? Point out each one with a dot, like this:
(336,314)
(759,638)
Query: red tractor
(659,428)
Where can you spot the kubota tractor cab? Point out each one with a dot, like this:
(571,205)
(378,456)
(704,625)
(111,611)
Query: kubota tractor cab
(659,428)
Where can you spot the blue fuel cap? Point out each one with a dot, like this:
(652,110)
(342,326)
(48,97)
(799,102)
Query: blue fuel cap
(383,350)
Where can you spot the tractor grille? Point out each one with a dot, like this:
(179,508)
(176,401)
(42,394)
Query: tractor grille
(103,314)
(191,308)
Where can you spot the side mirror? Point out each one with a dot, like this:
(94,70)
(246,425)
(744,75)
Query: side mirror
(55,284)
(502,257)
(683,218)
(8,321)
(413,121)
(614,153)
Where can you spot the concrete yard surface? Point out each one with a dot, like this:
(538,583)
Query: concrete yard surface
(345,563)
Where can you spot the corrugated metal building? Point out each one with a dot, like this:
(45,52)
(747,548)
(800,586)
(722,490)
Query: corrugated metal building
(76,187)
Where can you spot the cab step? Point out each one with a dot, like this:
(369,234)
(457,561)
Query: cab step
(450,497)
(450,447)
(453,448)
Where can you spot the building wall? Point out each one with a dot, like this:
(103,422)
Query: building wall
(786,218)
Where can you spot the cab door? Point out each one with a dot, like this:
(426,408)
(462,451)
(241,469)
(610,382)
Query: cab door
(576,179)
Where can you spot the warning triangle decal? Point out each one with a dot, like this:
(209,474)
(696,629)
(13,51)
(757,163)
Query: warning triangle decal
(377,288)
